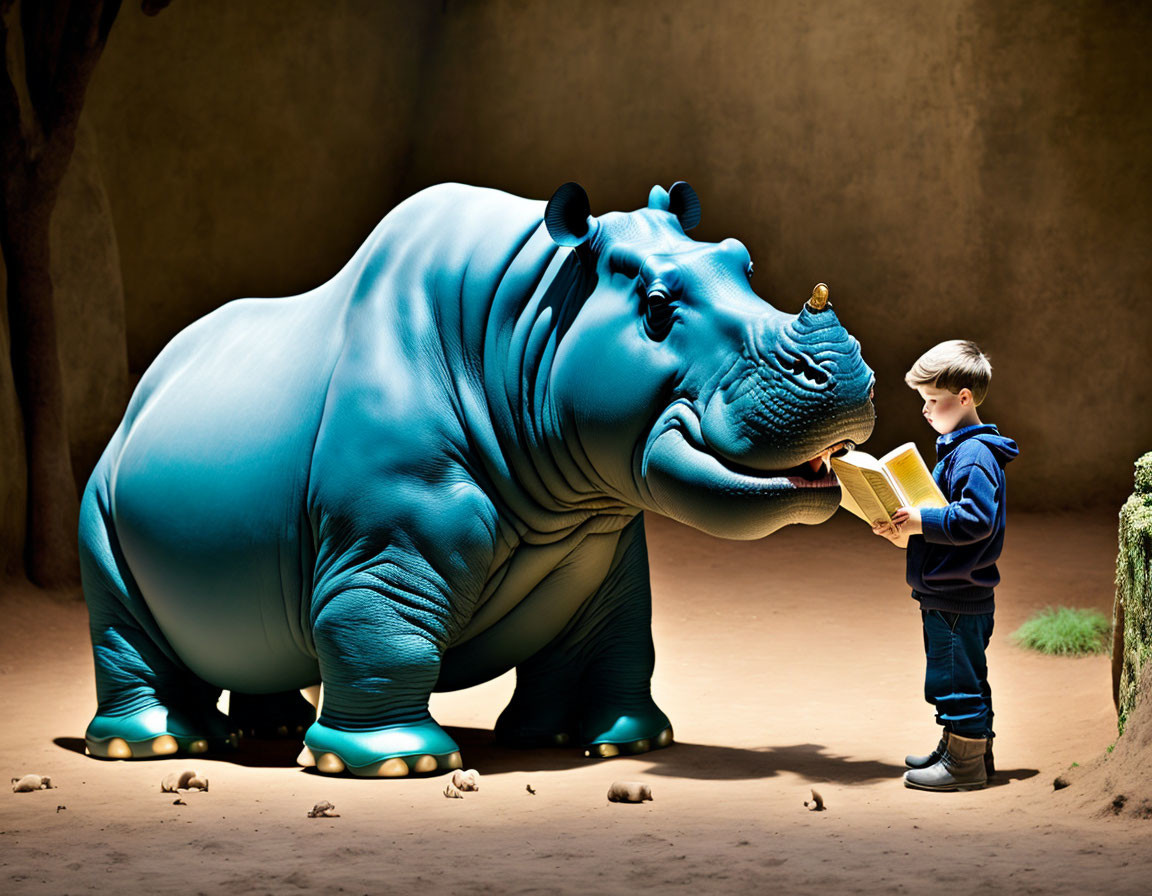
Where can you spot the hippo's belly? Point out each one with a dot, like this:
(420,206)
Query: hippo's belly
(208,490)
(541,588)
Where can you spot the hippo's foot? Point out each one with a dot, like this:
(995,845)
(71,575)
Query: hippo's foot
(533,723)
(157,732)
(608,733)
(608,749)
(393,751)
(602,733)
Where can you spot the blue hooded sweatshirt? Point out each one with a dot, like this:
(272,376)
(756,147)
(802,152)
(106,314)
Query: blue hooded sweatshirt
(952,566)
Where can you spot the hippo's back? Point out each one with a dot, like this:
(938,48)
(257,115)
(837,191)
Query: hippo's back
(207,480)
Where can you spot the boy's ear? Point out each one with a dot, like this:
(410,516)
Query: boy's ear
(965,396)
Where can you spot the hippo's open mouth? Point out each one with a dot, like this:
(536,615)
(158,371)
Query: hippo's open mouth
(688,480)
(815,472)
(679,429)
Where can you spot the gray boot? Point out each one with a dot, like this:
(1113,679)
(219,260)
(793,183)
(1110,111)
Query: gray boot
(961,767)
(932,758)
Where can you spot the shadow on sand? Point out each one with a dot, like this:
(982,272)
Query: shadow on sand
(813,762)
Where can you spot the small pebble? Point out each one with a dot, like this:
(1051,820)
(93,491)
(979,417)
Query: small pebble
(629,792)
(466,780)
(323,809)
(31,782)
(186,780)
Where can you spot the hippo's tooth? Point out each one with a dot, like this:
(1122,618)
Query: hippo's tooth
(819,463)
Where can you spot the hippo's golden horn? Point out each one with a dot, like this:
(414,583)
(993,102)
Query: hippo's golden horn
(819,300)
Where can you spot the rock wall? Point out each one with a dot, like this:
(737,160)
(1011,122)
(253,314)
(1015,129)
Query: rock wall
(89,307)
(13,470)
(249,148)
(92,340)
(1132,616)
(972,169)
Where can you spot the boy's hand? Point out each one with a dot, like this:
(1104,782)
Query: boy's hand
(885,530)
(907,521)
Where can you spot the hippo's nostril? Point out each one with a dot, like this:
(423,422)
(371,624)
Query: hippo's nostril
(803,366)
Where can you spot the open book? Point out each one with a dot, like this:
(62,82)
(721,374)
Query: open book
(875,489)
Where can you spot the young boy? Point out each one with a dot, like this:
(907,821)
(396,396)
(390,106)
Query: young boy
(952,553)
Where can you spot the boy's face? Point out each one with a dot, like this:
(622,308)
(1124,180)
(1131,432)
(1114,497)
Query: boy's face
(945,410)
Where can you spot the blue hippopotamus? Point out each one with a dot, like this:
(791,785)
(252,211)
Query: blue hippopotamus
(434,468)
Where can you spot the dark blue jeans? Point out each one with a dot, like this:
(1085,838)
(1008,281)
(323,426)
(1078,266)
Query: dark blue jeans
(956,680)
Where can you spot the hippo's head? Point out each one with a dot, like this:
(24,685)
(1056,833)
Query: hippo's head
(685,392)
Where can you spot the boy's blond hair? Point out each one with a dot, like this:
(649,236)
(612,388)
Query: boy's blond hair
(953,365)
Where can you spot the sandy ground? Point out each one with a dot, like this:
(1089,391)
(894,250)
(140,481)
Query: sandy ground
(786,664)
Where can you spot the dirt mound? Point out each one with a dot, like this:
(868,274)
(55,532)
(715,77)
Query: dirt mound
(1120,782)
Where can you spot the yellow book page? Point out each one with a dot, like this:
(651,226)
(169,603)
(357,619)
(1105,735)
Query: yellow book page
(913,478)
(849,504)
(883,491)
(853,484)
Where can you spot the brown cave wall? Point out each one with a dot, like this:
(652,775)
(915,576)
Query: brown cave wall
(89,305)
(248,148)
(970,169)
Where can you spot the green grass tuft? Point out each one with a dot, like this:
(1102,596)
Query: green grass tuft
(1066,632)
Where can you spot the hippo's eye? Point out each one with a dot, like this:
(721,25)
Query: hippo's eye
(658,309)
(748,271)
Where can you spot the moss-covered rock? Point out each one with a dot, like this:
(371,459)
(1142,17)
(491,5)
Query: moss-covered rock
(1144,475)
(1132,613)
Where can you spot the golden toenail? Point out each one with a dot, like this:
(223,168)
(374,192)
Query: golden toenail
(306,758)
(453,760)
(393,768)
(602,751)
(118,749)
(198,746)
(664,738)
(425,763)
(165,744)
(330,764)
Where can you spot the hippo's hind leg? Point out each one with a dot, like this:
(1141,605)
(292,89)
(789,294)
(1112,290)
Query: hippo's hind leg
(148,704)
(379,643)
(592,684)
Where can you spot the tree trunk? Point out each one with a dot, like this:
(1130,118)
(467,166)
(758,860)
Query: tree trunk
(51,558)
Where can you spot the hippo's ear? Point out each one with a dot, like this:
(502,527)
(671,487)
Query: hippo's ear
(684,204)
(568,216)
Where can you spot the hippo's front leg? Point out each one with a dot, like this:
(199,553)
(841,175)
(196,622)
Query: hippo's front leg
(379,638)
(592,684)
